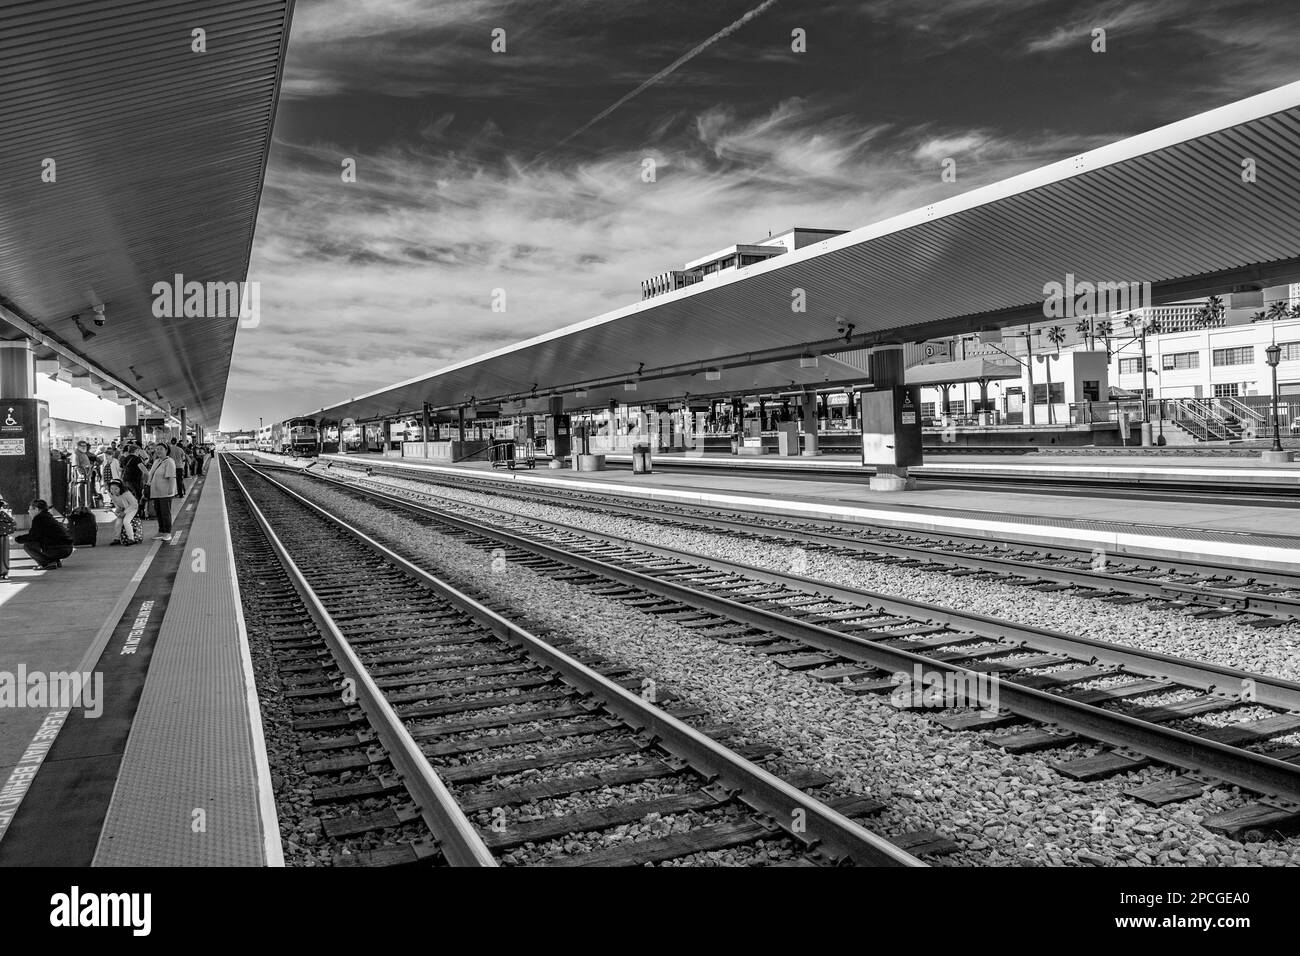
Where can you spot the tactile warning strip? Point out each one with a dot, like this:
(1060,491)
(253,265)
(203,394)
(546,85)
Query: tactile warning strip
(188,790)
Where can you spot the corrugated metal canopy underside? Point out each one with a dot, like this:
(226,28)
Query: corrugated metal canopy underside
(159,156)
(1169,207)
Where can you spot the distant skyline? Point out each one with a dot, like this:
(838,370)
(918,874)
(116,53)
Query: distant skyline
(479,170)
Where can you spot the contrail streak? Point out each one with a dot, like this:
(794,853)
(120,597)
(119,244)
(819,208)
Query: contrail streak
(685,58)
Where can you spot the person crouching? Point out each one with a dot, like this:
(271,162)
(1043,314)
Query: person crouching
(125,507)
(48,542)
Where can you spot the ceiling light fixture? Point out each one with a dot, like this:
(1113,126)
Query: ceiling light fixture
(713,375)
(86,333)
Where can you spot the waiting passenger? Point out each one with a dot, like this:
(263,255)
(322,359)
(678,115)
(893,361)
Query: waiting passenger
(48,542)
(177,455)
(162,488)
(7,527)
(125,507)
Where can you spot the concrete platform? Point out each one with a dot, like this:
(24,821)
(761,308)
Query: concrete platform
(1233,533)
(1148,469)
(117,778)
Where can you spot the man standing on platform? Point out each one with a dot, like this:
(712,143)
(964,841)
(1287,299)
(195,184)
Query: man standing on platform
(177,454)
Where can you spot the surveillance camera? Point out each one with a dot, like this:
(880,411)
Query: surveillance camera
(841,324)
(99,316)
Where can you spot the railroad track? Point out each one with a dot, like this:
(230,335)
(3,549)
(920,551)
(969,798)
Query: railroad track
(451,718)
(1074,689)
(1200,589)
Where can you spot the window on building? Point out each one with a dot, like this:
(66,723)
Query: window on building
(1091,390)
(750,260)
(1290,351)
(1228,390)
(1130,366)
(1243,355)
(1058,393)
(1180,360)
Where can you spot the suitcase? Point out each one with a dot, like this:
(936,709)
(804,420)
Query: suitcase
(137,526)
(81,524)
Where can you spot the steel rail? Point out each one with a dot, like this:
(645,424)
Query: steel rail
(1286,608)
(1198,675)
(803,818)
(457,838)
(1257,772)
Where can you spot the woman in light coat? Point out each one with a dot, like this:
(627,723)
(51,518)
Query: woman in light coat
(162,487)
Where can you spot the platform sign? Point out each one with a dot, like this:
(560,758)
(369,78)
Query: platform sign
(24,452)
(891,426)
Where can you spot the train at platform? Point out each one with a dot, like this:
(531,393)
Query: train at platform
(295,436)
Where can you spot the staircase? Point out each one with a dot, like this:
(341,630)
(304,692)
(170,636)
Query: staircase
(1208,420)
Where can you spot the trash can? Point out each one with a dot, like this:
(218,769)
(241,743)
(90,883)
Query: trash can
(640,459)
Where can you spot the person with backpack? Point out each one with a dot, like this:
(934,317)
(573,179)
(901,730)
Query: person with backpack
(162,488)
(48,542)
(131,474)
(177,454)
(82,475)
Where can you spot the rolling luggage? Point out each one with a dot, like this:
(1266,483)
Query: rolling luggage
(137,526)
(81,524)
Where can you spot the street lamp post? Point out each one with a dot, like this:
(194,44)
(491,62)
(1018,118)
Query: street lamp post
(1273,354)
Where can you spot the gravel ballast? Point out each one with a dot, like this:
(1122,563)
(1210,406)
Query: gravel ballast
(1274,651)
(1002,808)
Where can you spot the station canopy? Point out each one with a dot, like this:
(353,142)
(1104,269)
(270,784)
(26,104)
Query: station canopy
(133,151)
(1178,207)
(974,369)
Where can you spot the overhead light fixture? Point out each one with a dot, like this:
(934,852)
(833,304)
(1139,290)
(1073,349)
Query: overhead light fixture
(138,376)
(807,360)
(629,386)
(713,375)
(86,333)
(580,393)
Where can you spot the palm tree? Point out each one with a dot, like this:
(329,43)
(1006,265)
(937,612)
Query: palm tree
(1278,310)
(1084,328)
(1210,315)
(1105,329)
(1295,311)
(1055,335)
(1259,316)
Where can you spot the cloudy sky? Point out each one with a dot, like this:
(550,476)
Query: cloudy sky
(522,170)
